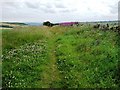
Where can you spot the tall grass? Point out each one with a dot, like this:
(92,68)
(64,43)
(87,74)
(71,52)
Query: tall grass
(19,36)
(24,57)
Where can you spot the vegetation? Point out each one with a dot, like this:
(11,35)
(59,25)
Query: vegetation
(6,26)
(15,23)
(10,25)
(60,57)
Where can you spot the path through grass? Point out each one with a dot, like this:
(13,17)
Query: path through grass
(59,57)
(51,77)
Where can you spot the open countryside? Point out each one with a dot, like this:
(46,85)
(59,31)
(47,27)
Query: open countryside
(82,56)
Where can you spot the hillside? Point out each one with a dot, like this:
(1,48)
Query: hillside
(10,25)
(60,57)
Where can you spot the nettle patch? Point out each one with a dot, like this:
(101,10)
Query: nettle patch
(25,65)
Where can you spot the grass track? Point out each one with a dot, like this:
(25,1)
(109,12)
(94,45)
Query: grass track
(51,74)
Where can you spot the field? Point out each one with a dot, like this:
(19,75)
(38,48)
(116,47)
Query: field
(60,57)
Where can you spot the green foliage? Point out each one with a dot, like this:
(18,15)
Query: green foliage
(87,58)
(22,67)
(60,57)
(19,36)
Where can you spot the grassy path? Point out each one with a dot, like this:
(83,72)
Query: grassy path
(51,76)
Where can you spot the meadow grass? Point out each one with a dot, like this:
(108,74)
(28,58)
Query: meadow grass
(87,58)
(59,57)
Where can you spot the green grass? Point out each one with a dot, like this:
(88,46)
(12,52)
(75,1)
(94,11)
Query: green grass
(86,59)
(59,57)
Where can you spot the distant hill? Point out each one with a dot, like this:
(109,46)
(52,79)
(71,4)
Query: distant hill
(18,24)
(11,24)
(15,23)
(34,24)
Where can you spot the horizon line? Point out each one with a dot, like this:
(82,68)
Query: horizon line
(60,21)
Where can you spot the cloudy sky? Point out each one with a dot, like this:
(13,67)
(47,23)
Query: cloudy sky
(58,10)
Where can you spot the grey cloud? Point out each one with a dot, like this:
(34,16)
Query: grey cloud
(32,5)
(56,10)
(67,10)
(10,4)
(37,5)
(46,7)
(64,11)
(63,7)
(48,10)
(60,5)
(88,9)
(55,7)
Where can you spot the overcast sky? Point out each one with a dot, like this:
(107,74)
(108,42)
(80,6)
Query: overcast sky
(58,10)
